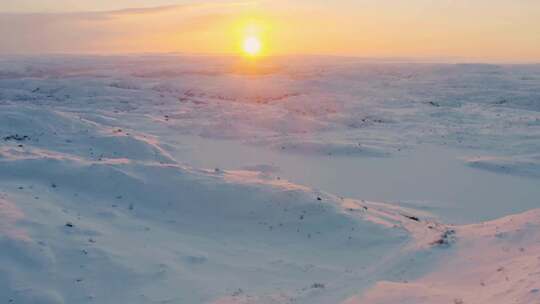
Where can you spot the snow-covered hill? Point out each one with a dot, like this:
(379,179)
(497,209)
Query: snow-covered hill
(493,262)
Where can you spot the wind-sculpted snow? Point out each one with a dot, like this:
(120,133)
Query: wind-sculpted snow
(480,106)
(141,228)
(494,262)
(110,192)
(528,166)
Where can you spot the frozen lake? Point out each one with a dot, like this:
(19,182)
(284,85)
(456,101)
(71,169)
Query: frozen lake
(441,183)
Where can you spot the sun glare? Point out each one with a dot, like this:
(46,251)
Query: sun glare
(252,46)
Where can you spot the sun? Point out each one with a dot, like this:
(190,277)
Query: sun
(252,46)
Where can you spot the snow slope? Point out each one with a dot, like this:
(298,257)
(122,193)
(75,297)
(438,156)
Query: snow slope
(493,262)
(167,179)
(126,223)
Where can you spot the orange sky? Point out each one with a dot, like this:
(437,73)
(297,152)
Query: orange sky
(496,30)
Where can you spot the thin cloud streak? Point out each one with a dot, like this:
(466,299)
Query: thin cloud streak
(105,31)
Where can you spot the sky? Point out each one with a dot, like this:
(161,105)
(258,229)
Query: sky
(492,30)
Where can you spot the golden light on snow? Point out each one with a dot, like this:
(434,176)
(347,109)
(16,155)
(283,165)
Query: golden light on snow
(252,46)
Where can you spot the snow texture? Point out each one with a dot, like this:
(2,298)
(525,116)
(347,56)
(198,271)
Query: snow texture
(175,179)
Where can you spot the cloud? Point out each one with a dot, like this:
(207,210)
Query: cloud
(107,31)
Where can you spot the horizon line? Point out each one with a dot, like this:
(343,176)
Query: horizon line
(404,59)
